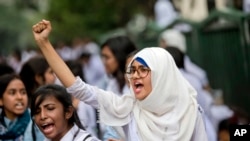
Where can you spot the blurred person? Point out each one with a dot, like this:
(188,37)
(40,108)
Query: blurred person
(92,65)
(15,60)
(15,121)
(114,52)
(223,130)
(175,38)
(55,115)
(36,72)
(240,117)
(64,50)
(27,54)
(246,6)
(154,110)
(193,10)
(86,113)
(165,13)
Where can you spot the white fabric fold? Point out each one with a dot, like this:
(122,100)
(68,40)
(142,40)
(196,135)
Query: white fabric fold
(168,113)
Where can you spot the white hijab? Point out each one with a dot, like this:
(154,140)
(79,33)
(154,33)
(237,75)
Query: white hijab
(167,113)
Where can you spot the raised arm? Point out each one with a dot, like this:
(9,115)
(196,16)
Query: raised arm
(41,33)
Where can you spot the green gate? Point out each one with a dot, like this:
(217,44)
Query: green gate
(221,45)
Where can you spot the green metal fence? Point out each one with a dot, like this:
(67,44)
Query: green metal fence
(221,45)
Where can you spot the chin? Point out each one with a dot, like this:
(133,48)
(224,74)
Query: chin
(140,97)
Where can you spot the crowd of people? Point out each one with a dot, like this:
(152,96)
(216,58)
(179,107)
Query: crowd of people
(111,92)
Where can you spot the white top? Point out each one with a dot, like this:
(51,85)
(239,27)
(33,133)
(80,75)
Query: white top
(88,94)
(164,13)
(169,112)
(76,134)
(87,116)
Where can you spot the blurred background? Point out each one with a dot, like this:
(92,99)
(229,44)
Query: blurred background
(216,32)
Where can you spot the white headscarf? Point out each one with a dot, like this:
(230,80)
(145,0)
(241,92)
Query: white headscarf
(174,38)
(167,113)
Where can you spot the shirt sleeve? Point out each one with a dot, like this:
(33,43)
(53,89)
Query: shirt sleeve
(84,92)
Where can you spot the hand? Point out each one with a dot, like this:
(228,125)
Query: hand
(41,30)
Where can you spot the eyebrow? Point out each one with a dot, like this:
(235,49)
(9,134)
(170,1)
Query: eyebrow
(13,89)
(46,105)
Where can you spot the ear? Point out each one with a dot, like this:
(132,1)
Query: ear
(69,112)
(39,79)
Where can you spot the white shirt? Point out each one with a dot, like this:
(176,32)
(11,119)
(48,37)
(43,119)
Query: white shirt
(87,93)
(164,13)
(76,134)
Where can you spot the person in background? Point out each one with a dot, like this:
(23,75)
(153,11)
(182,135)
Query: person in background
(174,38)
(165,13)
(55,116)
(85,112)
(15,60)
(114,52)
(15,121)
(36,72)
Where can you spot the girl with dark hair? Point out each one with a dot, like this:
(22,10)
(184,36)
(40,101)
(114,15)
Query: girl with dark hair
(15,121)
(36,72)
(114,54)
(55,115)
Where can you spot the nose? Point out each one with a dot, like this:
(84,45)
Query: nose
(19,95)
(43,115)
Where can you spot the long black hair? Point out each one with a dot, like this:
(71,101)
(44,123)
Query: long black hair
(35,66)
(120,46)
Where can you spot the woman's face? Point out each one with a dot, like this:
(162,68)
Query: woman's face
(141,85)
(15,99)
(51,118)
(49,76)
(109,60)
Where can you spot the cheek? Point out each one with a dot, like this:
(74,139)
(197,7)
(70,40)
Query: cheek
(36,118)
(148,85)
(111,65)
(49,78)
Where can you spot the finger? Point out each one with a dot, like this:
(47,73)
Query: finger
(47,23)
(36,28)
(40,27)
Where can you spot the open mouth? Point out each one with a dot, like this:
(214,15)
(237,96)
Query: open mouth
(47,128)
(138,87)
(19,105)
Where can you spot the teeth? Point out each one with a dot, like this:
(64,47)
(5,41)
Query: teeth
(45,124)
(19,104)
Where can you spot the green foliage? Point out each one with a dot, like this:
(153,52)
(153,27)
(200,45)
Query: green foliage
(90,17)
(12,23)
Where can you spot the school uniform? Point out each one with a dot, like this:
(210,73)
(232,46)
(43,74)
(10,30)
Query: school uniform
(77,134)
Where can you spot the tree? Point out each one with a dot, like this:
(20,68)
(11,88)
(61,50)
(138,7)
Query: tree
(91,17)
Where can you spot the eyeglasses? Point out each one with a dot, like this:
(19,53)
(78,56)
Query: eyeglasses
(141,71)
